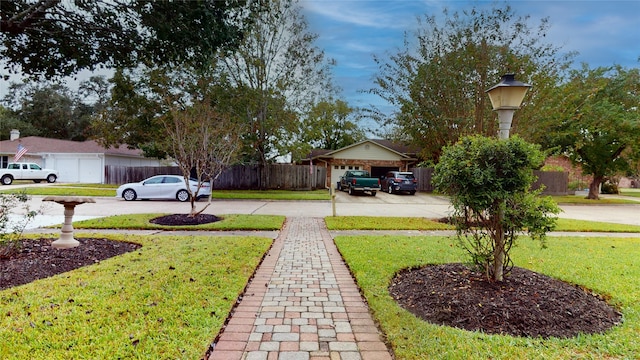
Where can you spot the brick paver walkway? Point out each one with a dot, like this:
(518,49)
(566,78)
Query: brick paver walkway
(302,304)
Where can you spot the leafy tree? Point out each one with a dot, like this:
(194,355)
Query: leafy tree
(328,125)
(437,81)
(9,120)
(129,116)
(52,110)
(203,142)
(489,182)
(595,120)
(57,38)
(279,73)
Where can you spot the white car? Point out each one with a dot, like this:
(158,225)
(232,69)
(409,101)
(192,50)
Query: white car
(162,187)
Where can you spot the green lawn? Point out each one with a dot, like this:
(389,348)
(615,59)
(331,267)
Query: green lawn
(581,200)
(630,192)
(397,223)
(141,222)
(608,266)
(167,300)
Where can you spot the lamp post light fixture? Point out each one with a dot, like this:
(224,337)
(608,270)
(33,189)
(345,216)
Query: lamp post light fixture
(506,97)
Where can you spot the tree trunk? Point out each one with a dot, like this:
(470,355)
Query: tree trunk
(594,187)
(498,252)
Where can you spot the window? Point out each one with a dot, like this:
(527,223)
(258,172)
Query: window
(171,180)
(154,180)
(342,167)
(34,167)
(336,167)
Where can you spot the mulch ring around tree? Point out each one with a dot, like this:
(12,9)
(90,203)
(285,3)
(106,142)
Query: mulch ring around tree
(184,219)
(37,259)
(526,304)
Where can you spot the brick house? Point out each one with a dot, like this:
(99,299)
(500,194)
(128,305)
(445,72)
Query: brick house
(373,155)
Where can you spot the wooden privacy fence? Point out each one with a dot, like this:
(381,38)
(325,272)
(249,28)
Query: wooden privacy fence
(555,182)
(238,177)
(300,177)
(423,175)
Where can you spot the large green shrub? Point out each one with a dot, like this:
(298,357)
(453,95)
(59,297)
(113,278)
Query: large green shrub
(489,181)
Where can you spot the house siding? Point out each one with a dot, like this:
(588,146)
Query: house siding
(367,151)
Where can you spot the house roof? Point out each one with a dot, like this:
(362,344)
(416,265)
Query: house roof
(41,145)
(402,150)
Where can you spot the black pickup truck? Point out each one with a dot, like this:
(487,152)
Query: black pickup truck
(359,181)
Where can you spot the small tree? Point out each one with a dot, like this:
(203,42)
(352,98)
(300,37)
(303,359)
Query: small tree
(489,181)
(10,230)
(203,142)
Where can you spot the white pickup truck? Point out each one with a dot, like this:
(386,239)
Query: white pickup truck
(26,171)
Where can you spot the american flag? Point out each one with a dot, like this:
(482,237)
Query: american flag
(21,151)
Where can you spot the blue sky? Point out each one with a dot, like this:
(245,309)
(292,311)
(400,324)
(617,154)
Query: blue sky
(352,31)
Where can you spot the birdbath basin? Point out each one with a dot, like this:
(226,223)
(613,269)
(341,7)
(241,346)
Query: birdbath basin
(66,239)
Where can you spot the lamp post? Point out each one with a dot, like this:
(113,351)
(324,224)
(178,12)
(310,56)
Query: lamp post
(506,97)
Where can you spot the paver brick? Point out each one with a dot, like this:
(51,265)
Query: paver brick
(302,304)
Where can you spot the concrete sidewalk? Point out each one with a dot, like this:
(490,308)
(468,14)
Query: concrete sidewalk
(302,304)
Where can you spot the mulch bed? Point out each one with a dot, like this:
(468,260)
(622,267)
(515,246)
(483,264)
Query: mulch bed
(185,219)
(526,304)
(36,259)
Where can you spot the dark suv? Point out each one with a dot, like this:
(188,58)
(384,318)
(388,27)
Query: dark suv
(399,181)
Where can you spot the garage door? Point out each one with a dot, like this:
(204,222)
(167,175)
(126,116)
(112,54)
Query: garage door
(90,171)
(68,169)
(79,170)
(338,170)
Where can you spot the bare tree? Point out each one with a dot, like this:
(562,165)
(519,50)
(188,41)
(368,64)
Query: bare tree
(204,142)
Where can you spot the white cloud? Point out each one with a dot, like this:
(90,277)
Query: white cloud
(372,14)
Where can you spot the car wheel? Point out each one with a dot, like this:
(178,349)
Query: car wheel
(182,195)
(412,192)
(129,195)
(373,193)
(7,180)
(350,191)
(389,189)
(51,178)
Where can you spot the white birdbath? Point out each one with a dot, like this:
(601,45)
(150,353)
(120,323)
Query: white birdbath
(66,239)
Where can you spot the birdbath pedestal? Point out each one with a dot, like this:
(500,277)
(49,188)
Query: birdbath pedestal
(66,239)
